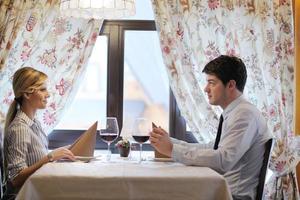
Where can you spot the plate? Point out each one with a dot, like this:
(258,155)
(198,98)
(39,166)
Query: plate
(163,159)
(85,158)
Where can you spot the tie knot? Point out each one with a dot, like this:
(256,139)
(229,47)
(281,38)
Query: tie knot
(221,118)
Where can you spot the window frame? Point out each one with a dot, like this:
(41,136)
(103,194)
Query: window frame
(115,32)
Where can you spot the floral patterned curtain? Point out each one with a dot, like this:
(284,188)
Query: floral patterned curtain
(258,31)
(12,14)
(34,34)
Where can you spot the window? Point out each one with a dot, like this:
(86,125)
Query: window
(110,93)
(125,78)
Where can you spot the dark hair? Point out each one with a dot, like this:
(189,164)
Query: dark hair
(228,68)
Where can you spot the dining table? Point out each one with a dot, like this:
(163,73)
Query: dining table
(124,178)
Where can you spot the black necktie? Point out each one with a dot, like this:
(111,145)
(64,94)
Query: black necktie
(219,133)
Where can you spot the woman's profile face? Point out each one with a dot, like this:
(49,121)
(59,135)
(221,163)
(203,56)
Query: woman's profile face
(38,99)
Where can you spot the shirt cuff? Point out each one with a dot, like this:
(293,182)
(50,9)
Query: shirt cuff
(177,152)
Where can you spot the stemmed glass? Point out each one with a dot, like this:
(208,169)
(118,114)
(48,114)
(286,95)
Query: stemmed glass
(109,131)
(141,131)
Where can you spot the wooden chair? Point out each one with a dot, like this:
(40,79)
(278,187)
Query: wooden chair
(263,171)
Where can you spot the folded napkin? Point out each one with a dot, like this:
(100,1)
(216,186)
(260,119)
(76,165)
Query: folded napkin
(156,153)
(85,144)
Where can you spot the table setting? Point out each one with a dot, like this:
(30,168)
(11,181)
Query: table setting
(138,174)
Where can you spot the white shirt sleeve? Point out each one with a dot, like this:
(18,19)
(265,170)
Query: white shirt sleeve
(199,145)
(238,134)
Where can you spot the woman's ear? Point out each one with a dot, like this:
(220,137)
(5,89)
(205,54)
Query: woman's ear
(26,95)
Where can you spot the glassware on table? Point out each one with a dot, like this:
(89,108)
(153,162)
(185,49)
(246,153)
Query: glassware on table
(141,133)
(109,132)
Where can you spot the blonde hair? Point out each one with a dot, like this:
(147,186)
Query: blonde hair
(25,80)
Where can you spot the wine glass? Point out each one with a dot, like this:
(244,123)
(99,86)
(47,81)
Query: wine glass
(141,131)
(109,131)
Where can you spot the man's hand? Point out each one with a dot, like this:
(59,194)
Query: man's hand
(160,140)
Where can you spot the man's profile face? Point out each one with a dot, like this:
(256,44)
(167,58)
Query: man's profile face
(215,90)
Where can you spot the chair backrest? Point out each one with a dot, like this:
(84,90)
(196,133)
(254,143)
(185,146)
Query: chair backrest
(263,170)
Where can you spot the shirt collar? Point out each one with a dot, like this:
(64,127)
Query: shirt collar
(232,105)
(24,117)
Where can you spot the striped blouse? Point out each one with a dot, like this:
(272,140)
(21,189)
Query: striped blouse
(24,144)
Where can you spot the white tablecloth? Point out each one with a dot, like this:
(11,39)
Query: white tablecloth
(124,180)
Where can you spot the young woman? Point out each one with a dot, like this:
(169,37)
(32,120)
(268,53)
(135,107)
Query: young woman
(25,143)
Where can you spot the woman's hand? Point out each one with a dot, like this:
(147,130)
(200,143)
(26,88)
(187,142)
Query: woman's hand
(62,152)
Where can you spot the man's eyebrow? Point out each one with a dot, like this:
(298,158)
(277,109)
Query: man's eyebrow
(211,80)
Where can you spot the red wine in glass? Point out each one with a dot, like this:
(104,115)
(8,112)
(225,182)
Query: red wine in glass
(108,131)
(140,138)
(108,137)
(141,130)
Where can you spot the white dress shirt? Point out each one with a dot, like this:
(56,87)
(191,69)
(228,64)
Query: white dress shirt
(239,156)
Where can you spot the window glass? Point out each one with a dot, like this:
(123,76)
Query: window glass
(89,103)
(146,87)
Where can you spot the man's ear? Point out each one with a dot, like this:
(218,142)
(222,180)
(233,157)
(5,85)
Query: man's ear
(232,84)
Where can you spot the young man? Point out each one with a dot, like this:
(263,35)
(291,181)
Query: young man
(238,150)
